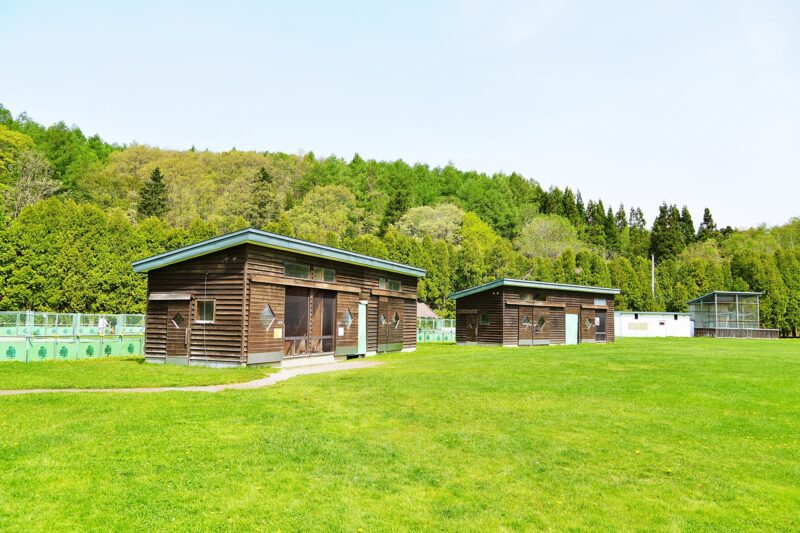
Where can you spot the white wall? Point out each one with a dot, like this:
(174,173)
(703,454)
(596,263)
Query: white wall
(626,324)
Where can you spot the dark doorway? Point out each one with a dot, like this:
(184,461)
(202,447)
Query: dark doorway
(310,321)
(600,325)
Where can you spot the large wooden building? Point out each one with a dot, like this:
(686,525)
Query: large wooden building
(515,312)
(253,297)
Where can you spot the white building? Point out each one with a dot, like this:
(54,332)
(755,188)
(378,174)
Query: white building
(649,324)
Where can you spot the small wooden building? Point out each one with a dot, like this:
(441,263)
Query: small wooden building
(515,312)
(253,297)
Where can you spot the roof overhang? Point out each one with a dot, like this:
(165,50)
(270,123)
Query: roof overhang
(275,241)
(507,282)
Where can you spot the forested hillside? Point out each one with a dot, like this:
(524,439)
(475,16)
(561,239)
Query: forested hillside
(76,211)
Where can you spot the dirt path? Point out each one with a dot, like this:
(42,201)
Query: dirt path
(272,379)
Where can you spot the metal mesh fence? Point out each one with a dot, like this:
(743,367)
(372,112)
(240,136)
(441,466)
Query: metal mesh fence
(32,336)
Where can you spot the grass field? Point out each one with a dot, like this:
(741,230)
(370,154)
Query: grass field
(652,435)
(117,372)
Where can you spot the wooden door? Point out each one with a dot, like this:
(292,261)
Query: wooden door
(178,321)
(471,327)
(383,324)
(540,329)
(396,323)
(525,325)
(587,325)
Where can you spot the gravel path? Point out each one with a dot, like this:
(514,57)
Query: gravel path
(272,379)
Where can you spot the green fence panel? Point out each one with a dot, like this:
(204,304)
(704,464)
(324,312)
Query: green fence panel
(13,349)
(66,348)
(89,348)
(41,349)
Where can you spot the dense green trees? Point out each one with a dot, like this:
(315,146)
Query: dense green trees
(117,204)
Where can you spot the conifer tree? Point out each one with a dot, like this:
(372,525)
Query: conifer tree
(707,229)
(687,226)
(666,238)
(153,196)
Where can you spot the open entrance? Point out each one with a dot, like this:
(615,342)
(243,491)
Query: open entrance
(600,325)
(310,321)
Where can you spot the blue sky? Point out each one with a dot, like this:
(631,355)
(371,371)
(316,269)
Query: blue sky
(634,102)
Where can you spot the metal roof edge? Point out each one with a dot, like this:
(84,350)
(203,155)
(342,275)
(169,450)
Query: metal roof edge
(271,240)
(533,285)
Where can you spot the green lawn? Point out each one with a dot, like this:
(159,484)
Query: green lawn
(117,372)
(650,435)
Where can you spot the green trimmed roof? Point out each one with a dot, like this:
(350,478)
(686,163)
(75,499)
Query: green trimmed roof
(528,284)
(272,240)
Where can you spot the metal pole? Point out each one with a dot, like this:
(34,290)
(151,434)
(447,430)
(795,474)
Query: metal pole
(738,326)
(653,275)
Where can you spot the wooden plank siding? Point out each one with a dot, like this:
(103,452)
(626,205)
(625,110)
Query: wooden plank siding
(490,302)
(503,305)
(217,276)
(269,262)
(242,280)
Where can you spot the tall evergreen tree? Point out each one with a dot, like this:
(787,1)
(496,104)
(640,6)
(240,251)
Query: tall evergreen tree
(621,218)
(639,238)
(666,237)
(398,204)
(707,229)
(580,205)
(153,196)
(687,226)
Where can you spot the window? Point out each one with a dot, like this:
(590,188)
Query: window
(539,297)
(389,284)
(205,311)
(296,270)
(525,296)
(348,318)
(178,321)
(484,319)
(324,274)
(541,322)
(526,321)
(599,301)
(587,324)
(675,317)
(636,316)
(396,319)
(267,317)
(382,319)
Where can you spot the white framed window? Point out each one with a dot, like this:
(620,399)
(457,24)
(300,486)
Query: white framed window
(205,311)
